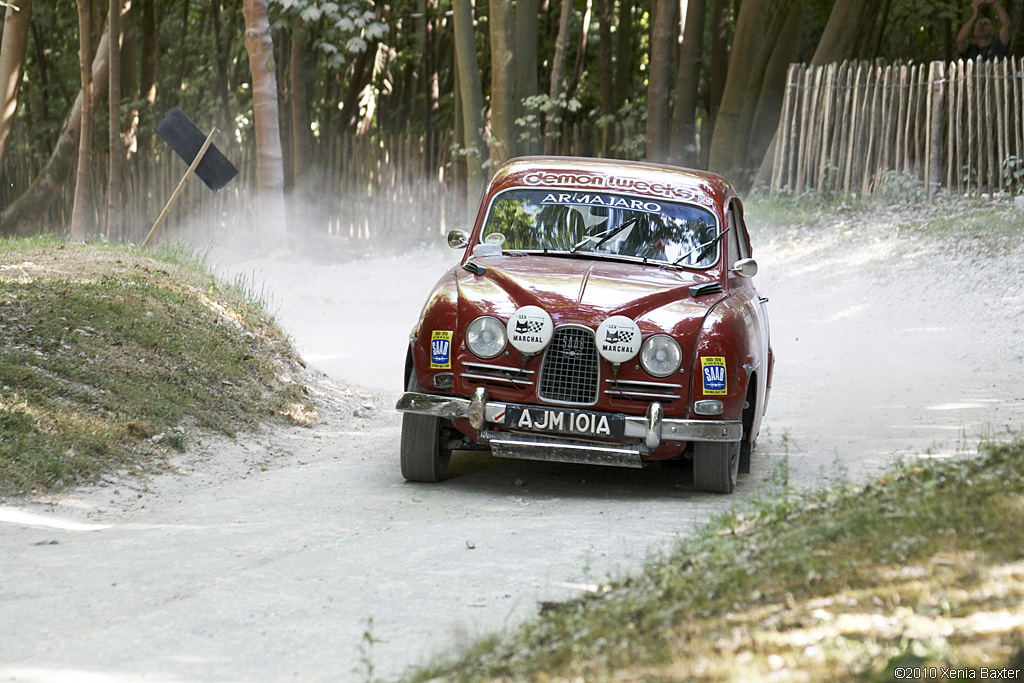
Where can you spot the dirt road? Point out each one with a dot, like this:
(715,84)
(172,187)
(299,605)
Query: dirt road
(302,555)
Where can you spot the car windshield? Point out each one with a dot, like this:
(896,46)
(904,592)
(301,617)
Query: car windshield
(600,223)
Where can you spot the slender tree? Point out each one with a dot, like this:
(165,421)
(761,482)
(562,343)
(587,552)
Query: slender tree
(552,126)
(625,55)
(148,67)
(78,214)
(471,97)
(114,220)
(503,80)
(17,20)
(663,40)
(526,63)
(269,161)
(606,75)
(721,34)
(299,104)
(683,143)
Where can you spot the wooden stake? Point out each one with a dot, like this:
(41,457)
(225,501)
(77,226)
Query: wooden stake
(178,191)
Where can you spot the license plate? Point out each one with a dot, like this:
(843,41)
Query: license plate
(568,422)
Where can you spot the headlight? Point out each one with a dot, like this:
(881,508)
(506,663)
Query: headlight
(486,337)
(660,355)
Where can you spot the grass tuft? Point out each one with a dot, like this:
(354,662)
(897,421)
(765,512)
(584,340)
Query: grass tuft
(110,358)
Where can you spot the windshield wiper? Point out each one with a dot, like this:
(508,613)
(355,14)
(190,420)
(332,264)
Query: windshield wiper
(606,235)
(704,248)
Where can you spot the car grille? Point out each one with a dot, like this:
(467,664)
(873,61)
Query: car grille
(634,390)
(569,373)
(497,375)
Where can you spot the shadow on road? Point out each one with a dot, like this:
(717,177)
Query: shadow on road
(479,472)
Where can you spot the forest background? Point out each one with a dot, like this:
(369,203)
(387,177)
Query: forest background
(368,119)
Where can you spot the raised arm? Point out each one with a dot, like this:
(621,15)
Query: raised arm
(1004,22)
(963,37)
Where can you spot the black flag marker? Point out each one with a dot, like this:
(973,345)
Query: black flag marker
(185,138)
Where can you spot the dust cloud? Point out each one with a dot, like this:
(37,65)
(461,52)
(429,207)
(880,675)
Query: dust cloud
(888,343)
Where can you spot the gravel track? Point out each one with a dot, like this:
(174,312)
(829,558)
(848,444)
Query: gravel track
(281,556)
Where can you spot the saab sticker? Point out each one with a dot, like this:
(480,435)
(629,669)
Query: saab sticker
(713,368)
(441,350)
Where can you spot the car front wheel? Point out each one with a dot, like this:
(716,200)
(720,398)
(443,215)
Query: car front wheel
(424,448)
(716,466)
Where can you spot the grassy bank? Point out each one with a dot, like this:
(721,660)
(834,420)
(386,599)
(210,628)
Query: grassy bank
(110,358)
(922,567)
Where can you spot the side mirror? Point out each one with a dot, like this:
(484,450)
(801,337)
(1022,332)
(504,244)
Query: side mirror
(745,268)
(458,239)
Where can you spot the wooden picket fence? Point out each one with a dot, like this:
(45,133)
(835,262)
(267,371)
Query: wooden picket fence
(850,127)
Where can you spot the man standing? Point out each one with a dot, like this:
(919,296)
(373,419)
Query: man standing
(987,44)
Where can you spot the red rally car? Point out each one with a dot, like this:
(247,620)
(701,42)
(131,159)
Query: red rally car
(604,312)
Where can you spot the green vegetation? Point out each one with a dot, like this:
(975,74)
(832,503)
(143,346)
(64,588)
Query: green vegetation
(982,225)
(922,567)
(109,358)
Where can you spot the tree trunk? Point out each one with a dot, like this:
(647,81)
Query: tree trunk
(12,66)
(526,64)
(222,42)
(844,28)
(471,94)
(755,83)
(604,71)
(838,42)
(728,139)
(114,220)
(663,41)
(503,80)
(719,66)
(80,211)
(130,76)
(625,55)
(150,61)
(552,126)
(581,51)
(769,105)
(22,216)
(683,143)
(270,215)
(299,105)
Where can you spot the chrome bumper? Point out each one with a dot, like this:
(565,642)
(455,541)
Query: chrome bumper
(651,429)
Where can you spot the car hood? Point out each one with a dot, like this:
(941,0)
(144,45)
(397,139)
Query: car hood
(583,291)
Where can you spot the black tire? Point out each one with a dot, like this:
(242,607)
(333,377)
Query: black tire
(425,454)
(424,448)
(716,466)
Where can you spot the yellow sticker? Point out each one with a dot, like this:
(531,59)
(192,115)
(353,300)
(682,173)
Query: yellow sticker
(441,350)
(713,368)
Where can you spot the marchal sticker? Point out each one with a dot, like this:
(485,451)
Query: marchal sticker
(713,368)
(441,350)
(530,329)
(618,339)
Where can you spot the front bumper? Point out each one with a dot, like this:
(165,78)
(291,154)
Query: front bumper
(650,430)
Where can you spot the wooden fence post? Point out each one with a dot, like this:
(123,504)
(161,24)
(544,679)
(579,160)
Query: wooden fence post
(936,93)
